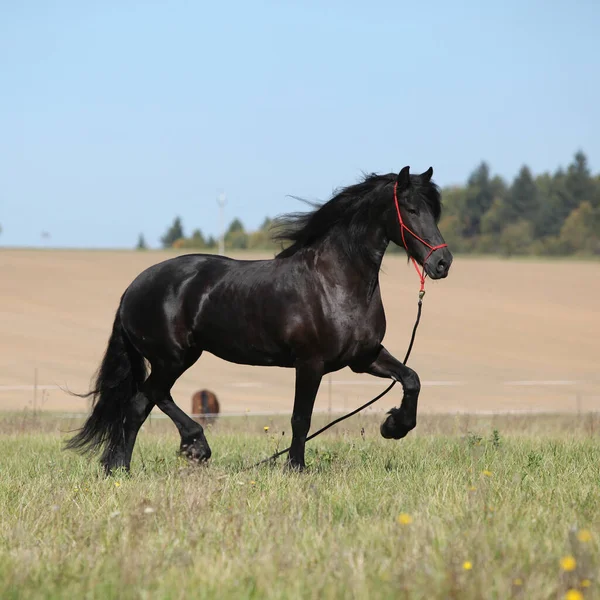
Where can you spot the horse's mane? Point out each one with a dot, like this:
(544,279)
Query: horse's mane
(349,207)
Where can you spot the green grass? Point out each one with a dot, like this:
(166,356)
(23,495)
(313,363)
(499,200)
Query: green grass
(505,494)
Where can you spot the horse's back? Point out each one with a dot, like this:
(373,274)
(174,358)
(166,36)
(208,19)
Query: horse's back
(153,306)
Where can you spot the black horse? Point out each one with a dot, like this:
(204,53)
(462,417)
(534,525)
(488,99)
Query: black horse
(316,307)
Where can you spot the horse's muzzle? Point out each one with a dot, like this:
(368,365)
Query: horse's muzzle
(438,264)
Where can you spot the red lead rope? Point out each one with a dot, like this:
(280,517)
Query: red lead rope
(432,249)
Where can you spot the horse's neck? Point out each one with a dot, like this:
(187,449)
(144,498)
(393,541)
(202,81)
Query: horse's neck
(372,249)
(360,268)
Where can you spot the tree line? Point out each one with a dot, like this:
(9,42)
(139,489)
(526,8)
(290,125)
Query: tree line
(236,238)
(549,214)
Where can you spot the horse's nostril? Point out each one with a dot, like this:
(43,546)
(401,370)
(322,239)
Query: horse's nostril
(441,266)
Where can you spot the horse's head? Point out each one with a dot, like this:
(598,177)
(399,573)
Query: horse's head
(412,222)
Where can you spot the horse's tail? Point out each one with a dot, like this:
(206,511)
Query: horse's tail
(118,380)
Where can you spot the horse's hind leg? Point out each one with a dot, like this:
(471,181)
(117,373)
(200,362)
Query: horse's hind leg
(137,413)
(193,441)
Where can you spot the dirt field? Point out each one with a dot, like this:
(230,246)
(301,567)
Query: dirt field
(496,336)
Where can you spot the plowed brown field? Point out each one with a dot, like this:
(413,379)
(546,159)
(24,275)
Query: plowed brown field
(496,335)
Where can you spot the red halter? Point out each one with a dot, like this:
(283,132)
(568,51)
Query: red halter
(432,249)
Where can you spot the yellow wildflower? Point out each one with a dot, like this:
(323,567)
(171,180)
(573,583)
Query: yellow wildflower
(585,583)
(253,483)
(487,473)
(518,581)
(467,565)
(472,489)
(266,428)
(117,484)
(568,563)
(573,595)
(584,535)
(404,519)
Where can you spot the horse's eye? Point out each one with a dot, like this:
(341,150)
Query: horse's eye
(412,211)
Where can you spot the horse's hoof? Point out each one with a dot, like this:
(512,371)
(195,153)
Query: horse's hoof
(197,451)
(111,470)
(393,429)
(114,464)
(294,466)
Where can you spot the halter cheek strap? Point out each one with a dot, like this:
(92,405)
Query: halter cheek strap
(432,249)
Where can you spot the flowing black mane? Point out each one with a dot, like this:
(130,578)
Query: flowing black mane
(350,207)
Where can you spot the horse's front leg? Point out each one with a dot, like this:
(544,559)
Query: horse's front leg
(308,379)
(400,420)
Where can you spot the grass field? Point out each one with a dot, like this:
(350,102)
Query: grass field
(463,508)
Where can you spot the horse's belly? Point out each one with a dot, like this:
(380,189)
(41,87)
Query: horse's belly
(244,345)
(249,355)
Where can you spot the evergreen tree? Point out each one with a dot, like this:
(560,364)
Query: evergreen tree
(552,209)
(578,182)
(236,236)
(478,199)
(197,239)
(522,198)
(141,244)
(174,233)
(235,226)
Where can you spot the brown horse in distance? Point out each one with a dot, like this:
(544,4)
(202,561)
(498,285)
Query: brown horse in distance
(205,407)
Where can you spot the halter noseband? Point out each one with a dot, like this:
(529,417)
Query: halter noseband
(432,249)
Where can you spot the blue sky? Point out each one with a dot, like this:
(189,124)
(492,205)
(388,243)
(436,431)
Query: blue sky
(116,116)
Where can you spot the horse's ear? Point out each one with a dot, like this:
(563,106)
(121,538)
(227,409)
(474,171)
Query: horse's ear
(404,178)
(426,177)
